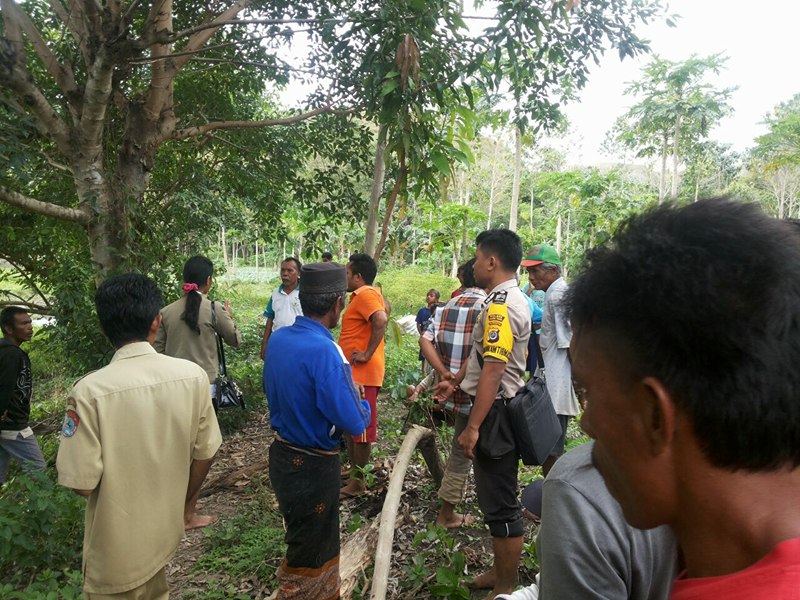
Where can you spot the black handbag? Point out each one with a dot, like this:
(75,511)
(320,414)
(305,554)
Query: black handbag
(228,394)
(534,421)
(496,435)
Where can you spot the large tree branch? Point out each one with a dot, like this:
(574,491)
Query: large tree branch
(77,26)
(215,24)
(96,101)
(62,74)
(190,132)
(200,38)
(163,70)
(38,207)
(47,119)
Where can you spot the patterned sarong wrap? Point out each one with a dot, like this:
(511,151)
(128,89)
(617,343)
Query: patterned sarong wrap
(306,484)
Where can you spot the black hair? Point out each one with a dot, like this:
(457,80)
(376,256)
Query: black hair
(318,305)
(364,265)
(126,306)
(706,298)
(504,244)
(327,255)
(296,262)
(7,316)
(435,292)
(468,273)
(197,270)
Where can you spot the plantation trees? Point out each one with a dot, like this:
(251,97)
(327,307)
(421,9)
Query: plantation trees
(675,111)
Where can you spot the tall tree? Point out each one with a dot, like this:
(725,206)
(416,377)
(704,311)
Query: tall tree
(676,109)
(776,158)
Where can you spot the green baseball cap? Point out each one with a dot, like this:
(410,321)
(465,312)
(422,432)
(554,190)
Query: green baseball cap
(539,254)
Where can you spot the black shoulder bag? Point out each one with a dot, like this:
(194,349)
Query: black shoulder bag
(534,421)
(228,394)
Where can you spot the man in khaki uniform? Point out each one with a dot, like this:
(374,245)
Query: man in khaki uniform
(139,437)
(493,373)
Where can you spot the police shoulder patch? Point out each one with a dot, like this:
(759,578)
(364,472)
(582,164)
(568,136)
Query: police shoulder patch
(500,297)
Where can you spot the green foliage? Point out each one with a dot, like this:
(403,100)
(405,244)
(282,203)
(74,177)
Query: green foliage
(406,288)
(47,585)
(676,108)
(436,546)
(781,144)
(41,534)
(588,204)
(530,560)
(248,545)
(402,366)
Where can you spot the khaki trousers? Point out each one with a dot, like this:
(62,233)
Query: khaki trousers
(458,466)
(153,589)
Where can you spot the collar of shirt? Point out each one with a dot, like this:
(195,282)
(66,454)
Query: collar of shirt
(312,325)
(474,291)
(362,289)
(133,349)
(282,290)
(500,287)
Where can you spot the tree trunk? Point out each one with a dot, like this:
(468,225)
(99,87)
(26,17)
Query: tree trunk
(558,235)
(512,221)
(375,193)
(675,143)
(224,244)
(531,210)
(492,185)
(662,182)
(389,209)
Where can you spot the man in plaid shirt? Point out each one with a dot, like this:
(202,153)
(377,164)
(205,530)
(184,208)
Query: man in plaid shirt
(445,345)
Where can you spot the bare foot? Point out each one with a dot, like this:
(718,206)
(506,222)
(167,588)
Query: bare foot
(197,521)
(529,515)
(456,521)
(352,489)
(484,581)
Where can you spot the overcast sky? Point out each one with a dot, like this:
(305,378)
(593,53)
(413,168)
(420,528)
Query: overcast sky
(760,40)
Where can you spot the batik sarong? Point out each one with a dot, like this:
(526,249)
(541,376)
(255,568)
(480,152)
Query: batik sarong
(306,484)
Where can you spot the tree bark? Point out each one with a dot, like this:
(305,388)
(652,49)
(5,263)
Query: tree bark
(375,193)
(675,143)
(662,183)
(399,185)
(383,552)
(512,220)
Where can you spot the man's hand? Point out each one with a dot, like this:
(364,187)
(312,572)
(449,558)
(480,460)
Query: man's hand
(228,308)
(467,440)
(360,389)
(359,356)
(444,390)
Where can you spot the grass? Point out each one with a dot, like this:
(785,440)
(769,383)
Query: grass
(406,288)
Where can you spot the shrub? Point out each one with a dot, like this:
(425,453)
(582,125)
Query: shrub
(41,526)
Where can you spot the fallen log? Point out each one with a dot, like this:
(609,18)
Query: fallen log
(383,552)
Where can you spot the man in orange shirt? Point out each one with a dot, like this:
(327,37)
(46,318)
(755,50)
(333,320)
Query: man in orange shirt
(361,339)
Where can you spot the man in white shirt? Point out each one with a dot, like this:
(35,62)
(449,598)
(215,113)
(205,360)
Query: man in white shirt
(544,270)
(284,303)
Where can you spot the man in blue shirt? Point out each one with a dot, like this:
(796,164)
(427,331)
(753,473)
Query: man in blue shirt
(312,402)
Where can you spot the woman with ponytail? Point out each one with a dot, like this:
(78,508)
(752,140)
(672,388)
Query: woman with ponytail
(188,330)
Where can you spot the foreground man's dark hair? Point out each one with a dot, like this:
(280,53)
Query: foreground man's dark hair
(706,298)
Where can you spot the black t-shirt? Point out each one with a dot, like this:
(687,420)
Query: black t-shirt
(16,383)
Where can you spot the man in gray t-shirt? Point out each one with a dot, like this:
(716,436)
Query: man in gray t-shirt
(586,548)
